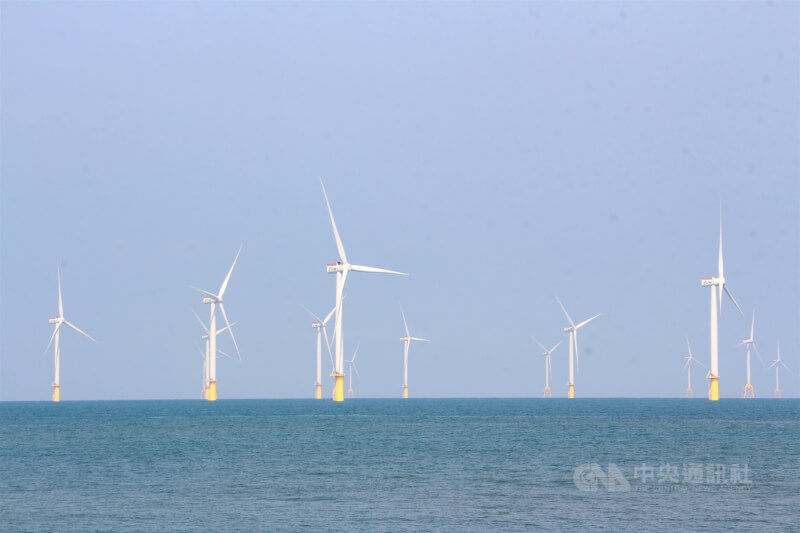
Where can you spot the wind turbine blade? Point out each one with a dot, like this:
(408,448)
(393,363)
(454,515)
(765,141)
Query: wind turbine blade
(199,320)
(405,324)
(752,324)
(359,268)
(315,317)
(339,246)
(209,294)
(758,353)
(719,261)
(786,367)
(328,317)
(228,277)
(586,321)
(571,323)
(689,346)
(542,346)
(226,355)
(73,326)
(222,330)
(227,323)
(53,336)
(725,286)
(202,354)
(554,347)
(328,345)
(419,339)
(60,303)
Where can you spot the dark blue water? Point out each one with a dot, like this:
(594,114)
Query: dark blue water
(401,465)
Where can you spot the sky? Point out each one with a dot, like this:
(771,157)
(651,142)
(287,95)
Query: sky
(502,154)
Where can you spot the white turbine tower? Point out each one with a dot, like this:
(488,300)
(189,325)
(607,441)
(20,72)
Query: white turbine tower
(547,368)
(573,346)
(719,281)
(353,367)
(204,355)
(320,327)
(55,340)
(406,343)
(777,363)
(748,388)
(688,366)
(213,300)
(341,268)
(206,359)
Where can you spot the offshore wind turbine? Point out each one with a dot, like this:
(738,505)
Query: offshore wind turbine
(353,367)
(55,340)
(213,300)
(748,388)
(406,343)
(341,268)
(320,324)
(777,363)
(547,368)
(689,359)
(573,346)
(719,281)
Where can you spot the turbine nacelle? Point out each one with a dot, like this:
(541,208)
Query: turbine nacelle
(316,325)
(209,300)
(708,282)
(333,268)
(55,319)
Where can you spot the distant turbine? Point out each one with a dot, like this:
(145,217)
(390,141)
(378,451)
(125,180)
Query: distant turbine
(573,345)
(547,368)
(748,388)
(320,327)
(407,341)
(353,367)
(341,268)
(206,359)
(213,300)
(58,321)
(719,281)
(777,363)
(689,359)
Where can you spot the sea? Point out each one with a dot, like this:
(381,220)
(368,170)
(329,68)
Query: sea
(390,465)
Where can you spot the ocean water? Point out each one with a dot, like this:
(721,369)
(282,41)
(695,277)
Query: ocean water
(401,465)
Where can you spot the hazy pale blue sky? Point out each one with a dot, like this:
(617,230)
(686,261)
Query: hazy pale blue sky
(500,153)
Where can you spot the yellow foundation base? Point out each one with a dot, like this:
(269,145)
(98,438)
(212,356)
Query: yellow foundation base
(713,390)
(546,393)
(338,387)
(318,393)
(689,393)
(777,393)
(211,391)
(405,391)
(571,391)
(56,393)
(748,391)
